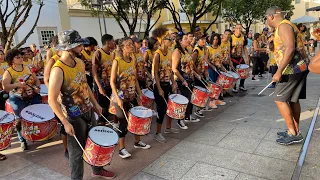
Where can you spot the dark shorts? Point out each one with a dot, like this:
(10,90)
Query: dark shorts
(291,88)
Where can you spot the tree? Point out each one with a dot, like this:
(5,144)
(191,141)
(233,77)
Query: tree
(195,10)
(246,12)
(150,7)
(174,13)
(17,17)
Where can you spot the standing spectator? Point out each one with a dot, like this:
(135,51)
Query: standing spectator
(144,46)
(258,66)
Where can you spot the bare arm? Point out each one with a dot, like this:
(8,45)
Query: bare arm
(256,48)
(6,82)
(146,58)
(36,79)
(314,65)
(95,65)
(287,37)
(49,55)
(113,79)
(47,70)
(175,62)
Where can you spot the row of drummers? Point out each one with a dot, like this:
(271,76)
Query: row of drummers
(39,123)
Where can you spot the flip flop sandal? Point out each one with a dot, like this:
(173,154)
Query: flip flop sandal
(2,157)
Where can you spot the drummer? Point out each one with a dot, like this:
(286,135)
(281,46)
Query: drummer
(51,51)
(27,57)
(24,88)
(162,73)
(101,71)
(153,45)
(200,57)
(123,79)
(86,56)
(140,64)
(215,63)
(183,69)
(77,114)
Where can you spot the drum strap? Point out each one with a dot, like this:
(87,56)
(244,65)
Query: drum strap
(236,61)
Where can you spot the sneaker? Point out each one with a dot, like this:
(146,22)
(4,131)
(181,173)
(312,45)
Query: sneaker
(260,75)
(282,133)
(171,130)
(254,79)
(242,88)
(141,145)
(234,90)
(220,103)
(221,97)
(24,146)
(290,139)
(104,174)
(199,114)
(194,120)
(213,105)
(159,137)
(66,154)
(207,109)
(181,124)
(123,153)
(272,86)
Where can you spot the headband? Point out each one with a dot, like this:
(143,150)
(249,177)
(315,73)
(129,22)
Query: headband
(161,37)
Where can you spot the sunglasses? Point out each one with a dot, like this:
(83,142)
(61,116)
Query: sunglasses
(265,17)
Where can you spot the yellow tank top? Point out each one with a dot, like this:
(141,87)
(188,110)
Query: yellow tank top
(104,69)
(86,55)
(298,63)
(56,57)
(237,46)
(23,76)
(149,60)
(141,74)
(185,67)
(165,69)
(74,90)
(189,49)
(225,52)
(4,65)
(126,80)
(272,59)
(28,63)
(199,64)
(53,50)
(215,56)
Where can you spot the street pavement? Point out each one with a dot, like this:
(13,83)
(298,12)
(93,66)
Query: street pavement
(236,141)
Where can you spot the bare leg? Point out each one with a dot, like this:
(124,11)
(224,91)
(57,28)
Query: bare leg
(169,121)
(285,111)
(64,141)
(296,111)
(159,128)
(121,143)
(137,138)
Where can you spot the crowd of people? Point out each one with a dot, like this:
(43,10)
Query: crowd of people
(84,79)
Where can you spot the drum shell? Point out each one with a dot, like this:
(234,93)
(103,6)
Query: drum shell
(39,131)
(44,98)
(146,101)
(98,155)
(8,107)
(139,125)
(5,135)
(112,108)
(225,81)
(199,98)
(215,90)
(175,110)
(243,72)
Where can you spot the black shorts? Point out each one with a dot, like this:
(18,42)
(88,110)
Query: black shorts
(291,88)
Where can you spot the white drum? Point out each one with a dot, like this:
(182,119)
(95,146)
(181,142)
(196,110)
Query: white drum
(6,125)
(177,106)
(38,122)
(235,75)
(44,93)
(100,146)
(139,120)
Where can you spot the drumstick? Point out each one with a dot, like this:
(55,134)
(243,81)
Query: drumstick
(204,84)
(108,98)
(189,89)
(125,114)
(110,123)
(82,148)
(265,88)
(235,71)
(271,93)
(165,100)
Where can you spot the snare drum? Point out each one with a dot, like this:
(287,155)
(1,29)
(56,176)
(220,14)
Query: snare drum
(177,106)
(6,125)
(226,80)
(215,90)
(147,98)
(44,93)
(100,146)
(38,123)
(199,96)
(243,71)
(235,76)
(8,107)
(139,120)
(112,108)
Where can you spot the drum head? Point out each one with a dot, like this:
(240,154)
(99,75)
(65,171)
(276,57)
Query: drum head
(6,117)
(201,89)
(141,112)
(148,93)
(227,74)
(37,113)
(235,75)
(43,90)
(179,99)
(40,77)
(242,66)
(103,136)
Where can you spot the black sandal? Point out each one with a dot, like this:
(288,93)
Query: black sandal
(2,157)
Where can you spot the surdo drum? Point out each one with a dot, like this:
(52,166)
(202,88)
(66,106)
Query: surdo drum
(215,90)
(177,106)
(6,125)
(243,71)
(139,120)
(226,80)
(38,123)
(147,98)
(44,93)
(199,96)
(100,146)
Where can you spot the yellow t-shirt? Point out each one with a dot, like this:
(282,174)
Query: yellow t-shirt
(74,90)
(237,46)
(165,69)
(23,76)
(126,80)
(215,57)
(199,64)
(225,52)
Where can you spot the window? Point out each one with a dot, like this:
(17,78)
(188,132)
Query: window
(45,35)
(297,1)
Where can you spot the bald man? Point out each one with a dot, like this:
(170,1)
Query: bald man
(291,74)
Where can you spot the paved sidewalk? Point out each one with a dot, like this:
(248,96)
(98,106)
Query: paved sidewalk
(236,141)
